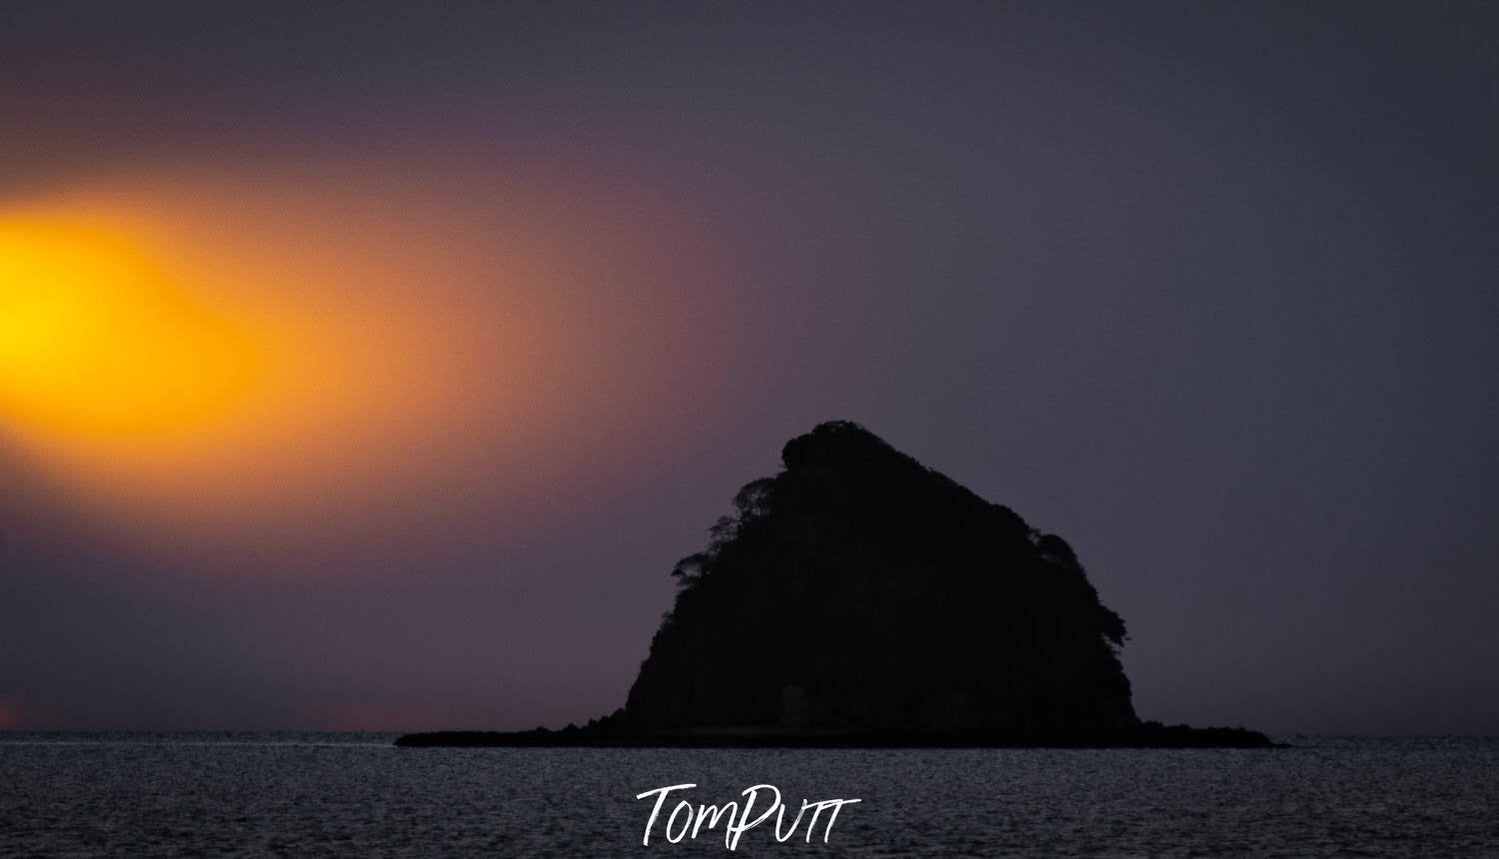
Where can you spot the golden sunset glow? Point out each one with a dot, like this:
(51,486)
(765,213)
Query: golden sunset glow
(218,350)
(96,341)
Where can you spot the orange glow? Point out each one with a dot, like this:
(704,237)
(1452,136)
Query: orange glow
(160,355)
(97,342)
(243,356)
(203,359)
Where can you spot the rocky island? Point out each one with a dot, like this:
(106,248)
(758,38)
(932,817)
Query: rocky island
(859,598)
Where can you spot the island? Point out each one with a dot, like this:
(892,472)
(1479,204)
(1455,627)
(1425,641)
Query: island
(860,599)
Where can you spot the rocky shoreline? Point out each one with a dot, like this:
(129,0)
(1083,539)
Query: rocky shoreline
(1149,735)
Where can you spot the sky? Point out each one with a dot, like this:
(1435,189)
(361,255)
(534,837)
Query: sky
(412,344)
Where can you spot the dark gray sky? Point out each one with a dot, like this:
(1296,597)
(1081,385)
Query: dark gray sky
(1207,288)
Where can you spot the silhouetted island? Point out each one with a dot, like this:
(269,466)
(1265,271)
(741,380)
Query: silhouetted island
(859,598)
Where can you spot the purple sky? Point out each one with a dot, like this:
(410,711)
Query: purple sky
(1207,288)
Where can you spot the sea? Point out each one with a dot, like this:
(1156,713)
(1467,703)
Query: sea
(323,794)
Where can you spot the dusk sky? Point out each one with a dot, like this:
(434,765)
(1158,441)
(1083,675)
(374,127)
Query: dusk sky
(391,353)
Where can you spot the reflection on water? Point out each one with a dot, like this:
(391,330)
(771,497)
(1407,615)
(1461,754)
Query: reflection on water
(326,794)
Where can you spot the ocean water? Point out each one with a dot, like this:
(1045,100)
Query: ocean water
(355,794)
